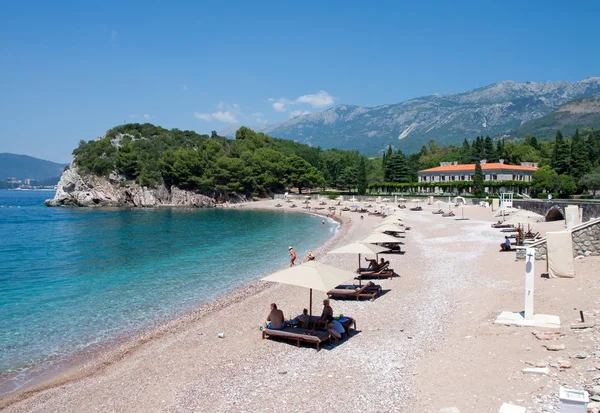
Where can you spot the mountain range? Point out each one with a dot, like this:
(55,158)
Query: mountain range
(505,108)
(27,167)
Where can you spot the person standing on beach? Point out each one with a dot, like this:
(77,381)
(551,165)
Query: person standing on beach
(292,256)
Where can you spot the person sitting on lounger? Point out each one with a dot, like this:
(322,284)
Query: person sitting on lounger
(275,319)
(304,318)
(383,263)
(506,244)
(373,265)
(310,256)
(326,316)
(336,330)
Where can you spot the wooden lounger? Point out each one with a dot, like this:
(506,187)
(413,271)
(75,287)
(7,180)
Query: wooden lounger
(298,334)
(369,290)
(384,272)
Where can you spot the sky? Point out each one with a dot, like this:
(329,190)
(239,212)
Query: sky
(70,70)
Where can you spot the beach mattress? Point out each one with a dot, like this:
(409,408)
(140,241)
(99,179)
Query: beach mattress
(560,254)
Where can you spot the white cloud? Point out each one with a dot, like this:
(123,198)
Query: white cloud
(279,106)
(258,114)
(185,87)
(296,113)
(236,106)
(316,100)
(226,116)
(140,116)
(114,35)
(204,116)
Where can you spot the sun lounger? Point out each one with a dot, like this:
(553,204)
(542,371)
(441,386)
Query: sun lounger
(416,209)
(346,322)
(383,272)
(298,335)
(449,214)
(500,225)
(369,290)
(439,211)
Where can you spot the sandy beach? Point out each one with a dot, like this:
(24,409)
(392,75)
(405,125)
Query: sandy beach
(427,344)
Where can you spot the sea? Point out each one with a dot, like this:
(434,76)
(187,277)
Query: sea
(75,278)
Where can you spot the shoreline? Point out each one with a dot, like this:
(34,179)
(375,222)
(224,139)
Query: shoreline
(89,361)
(427,344)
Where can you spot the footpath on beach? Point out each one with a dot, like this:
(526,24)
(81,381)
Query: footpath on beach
(427,344)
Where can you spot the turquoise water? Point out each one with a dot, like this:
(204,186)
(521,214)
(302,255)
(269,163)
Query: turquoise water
(71,278)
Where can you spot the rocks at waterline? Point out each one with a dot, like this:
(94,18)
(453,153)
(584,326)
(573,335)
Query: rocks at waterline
(78,190)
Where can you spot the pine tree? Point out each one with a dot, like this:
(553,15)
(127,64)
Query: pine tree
(478,149)
(397,169)
(580,164)
(490,152)
(465,152)
(361,179)
(386,157)
(560,155)
(478,188)
(500,149)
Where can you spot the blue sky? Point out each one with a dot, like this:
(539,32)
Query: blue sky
(70,70)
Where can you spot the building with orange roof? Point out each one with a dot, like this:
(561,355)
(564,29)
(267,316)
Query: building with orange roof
(449,172)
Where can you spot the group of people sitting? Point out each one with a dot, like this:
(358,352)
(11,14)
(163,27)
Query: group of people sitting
(276,321)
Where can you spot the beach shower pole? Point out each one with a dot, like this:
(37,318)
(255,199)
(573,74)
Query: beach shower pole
(529,277)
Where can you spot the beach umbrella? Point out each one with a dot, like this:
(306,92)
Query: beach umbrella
(313,275)
(389,228)
(379,238)
(392,220)
(359,248)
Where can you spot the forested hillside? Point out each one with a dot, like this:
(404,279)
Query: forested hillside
(255,163)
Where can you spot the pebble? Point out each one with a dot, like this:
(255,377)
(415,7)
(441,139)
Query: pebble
(594,391)
(554,347)
(564,364)
(581,355)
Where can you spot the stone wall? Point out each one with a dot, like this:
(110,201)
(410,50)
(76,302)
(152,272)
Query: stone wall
(540,251)
(542,207)
(586,239)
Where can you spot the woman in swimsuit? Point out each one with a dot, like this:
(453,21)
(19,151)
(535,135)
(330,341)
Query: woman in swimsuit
(292,256)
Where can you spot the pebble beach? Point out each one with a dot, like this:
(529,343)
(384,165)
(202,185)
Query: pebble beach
(427,344)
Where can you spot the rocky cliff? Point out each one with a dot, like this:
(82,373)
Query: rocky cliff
(90,190)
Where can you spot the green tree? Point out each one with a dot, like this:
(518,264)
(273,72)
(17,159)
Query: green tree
(465,152)
(244,133)
(566,186)
(126,160)
(397,169)
(531,141)
(478,188)
(580,164)
(301,174)
(361,179)
(490,152)
(545,179)
(560,154)
(591,181)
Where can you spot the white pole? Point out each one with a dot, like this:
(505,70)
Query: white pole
(529,277)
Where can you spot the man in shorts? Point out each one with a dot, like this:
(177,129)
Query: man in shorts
(292,256)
